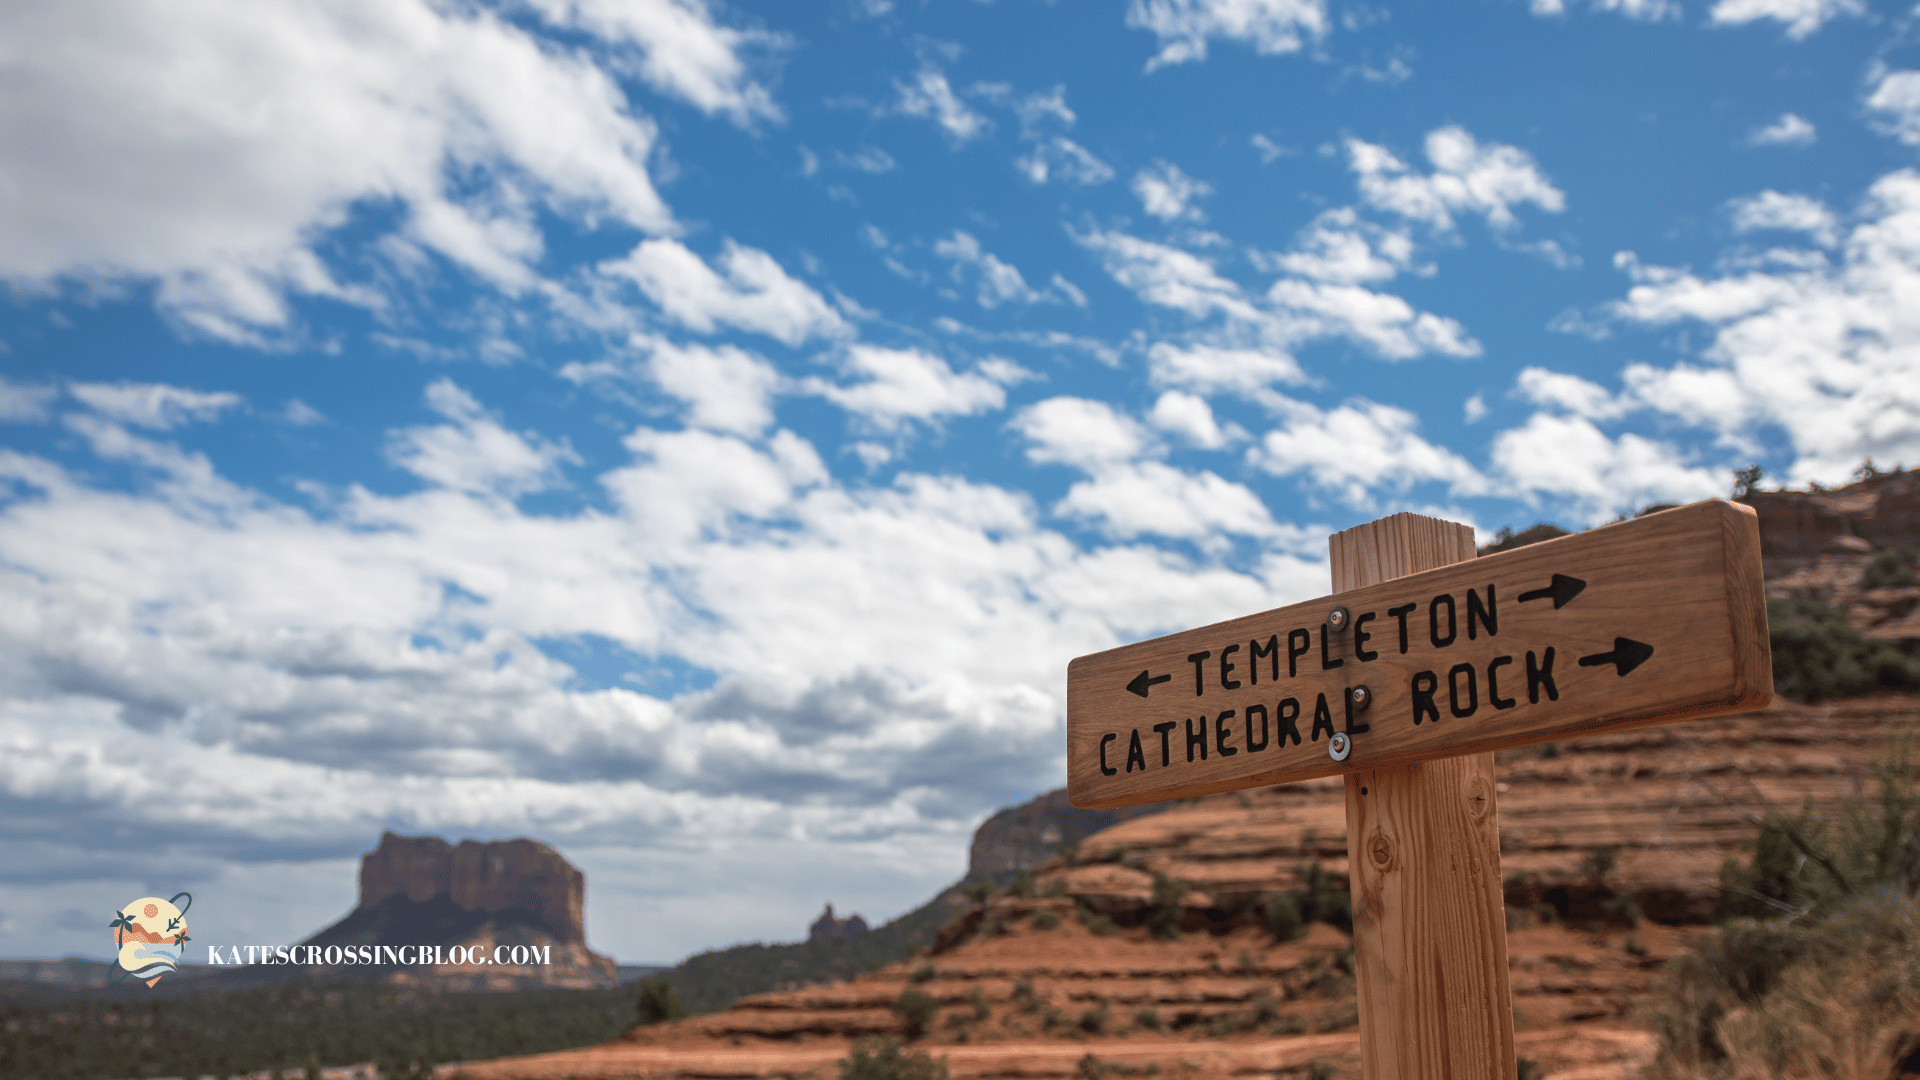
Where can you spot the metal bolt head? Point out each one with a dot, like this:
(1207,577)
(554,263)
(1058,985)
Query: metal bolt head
(1339,747)
(1337,618)
(1361,697)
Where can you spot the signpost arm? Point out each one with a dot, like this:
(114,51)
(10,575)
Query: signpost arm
(1423,848)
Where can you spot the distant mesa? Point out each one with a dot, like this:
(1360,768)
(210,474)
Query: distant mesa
(826,926)
(421,890)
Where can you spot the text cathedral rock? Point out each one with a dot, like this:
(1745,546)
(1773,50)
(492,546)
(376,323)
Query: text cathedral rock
(1495,680)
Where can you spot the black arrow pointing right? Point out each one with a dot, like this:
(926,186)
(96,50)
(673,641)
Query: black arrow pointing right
(1141,683)
(1563,590)
(1627,654)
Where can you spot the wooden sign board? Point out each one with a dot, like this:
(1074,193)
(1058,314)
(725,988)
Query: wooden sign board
(1650,621)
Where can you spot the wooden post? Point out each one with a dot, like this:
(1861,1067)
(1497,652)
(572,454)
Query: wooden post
(1423,849)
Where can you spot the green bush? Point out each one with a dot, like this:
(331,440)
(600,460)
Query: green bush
(1095,921)
(1817,654)
(1046,919)
(1163,919)
(916,1009)
(876,1057)
(1896,568)
(1282,916)
(659,1002)
(1823,983)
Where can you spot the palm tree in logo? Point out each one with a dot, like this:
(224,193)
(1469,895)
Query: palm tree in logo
(124,922)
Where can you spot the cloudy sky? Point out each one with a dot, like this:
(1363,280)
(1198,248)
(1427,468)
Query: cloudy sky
(698,435)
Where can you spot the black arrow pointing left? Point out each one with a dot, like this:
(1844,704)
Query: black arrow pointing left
(1142,683)
(1627,654)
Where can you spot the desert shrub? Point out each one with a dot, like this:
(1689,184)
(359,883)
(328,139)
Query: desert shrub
(1096,921)
(1046,919)
(978,999)
(1149,1017)
(659,1002)
(1817,654)
(1321,898)
(877,1057)
(916,1009)
(923,973)
(1163,919)
(1894,568)
(1022,886)
(977,891)
(1023,994)
(1825,983)
(1281,913)
(1054,887)
(1093,1021)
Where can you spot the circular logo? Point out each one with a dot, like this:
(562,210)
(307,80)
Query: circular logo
(150,935)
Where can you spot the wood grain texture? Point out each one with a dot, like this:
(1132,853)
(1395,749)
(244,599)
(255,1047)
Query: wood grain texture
(1430,931)
(1685,582)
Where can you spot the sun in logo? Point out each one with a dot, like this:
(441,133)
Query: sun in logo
(151,935)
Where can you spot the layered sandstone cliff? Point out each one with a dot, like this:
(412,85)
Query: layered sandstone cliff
(520,894)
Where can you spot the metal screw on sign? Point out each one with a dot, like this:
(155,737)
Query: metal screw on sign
(1337,618)
(1361,698)
(1339,746)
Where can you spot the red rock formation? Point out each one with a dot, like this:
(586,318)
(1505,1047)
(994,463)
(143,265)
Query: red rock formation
(421,890)
(506,875)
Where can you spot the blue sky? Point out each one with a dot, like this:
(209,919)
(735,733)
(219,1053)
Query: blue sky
(698,436)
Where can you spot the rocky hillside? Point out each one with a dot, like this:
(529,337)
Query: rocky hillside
(1152,947)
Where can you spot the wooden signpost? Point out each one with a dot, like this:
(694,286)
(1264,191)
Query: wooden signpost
(1423,662)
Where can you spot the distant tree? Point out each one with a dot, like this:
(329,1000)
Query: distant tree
(659,1002)
(1746,480)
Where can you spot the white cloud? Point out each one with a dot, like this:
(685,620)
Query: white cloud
(1896,97)
(1266,148)
(23,402)
(1643,10)
(474,453)
(1384,323)
(1789,130)
(896,386)
(1150,498)
(682,50)
(725,388)
(1168,276)
(1037,112)
(1081,432)
(1802,17)
(1340,247)
(884,657)
(755,294)
(1793,213)
(997,282)
(153,405)
(1467,177)
(1061,158)
(1190,417)
(1212,369)
(1358,447)
(1169,194)
(1568,456)
(130,155)
(1184,26)
(930,97)
(1828,353)
(867,159)
(1570,393)
(1475,410)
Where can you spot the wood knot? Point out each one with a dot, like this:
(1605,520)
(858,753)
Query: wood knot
(1381,849)
(1479,798)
